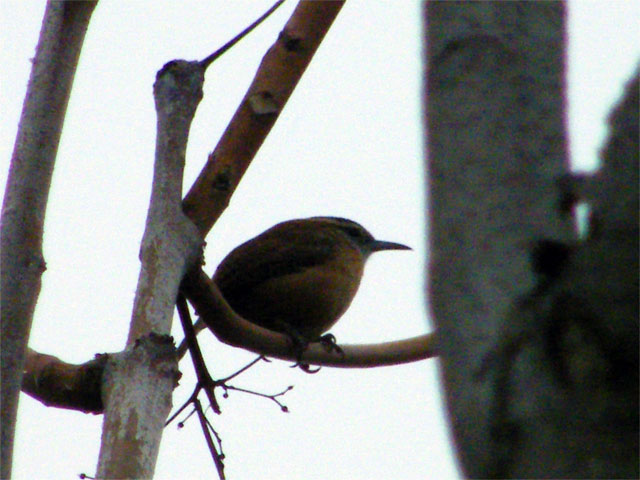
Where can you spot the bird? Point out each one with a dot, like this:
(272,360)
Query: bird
(299,276)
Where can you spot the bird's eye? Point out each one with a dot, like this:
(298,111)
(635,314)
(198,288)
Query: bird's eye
(355,233)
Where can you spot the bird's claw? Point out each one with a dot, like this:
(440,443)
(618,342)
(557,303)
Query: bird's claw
(329,342)
(305,367)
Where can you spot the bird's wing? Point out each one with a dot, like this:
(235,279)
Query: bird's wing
(252,263)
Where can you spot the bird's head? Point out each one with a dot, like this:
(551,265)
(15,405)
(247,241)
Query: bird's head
(358,235)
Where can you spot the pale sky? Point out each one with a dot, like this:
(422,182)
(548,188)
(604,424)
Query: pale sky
(349,143)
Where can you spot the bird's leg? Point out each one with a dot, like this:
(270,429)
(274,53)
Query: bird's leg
(299,343)
(328,341)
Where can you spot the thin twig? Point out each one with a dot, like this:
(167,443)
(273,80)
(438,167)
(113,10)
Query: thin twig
(243,369)
(192,398)
(204,423)
(272,397)
(204,378)
(211,58)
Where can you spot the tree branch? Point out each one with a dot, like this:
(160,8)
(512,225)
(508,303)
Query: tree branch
(64,385)
(234,330)
(275,80)
(171,244)
(24,206)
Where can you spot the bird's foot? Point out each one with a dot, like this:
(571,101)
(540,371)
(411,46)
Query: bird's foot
(299,345)
(305,367)
(328,341)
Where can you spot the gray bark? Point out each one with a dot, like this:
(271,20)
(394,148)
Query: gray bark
(538,329)
(139,382)
(25,201)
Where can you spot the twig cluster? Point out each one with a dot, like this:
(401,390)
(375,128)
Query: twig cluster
(208,384)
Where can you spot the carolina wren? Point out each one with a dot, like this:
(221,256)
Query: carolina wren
(299,276)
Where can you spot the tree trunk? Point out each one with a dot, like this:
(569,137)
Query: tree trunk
(538,329)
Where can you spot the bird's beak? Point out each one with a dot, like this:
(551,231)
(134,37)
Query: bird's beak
(382,245)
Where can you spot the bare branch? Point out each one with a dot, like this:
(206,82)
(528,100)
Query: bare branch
(204,377)
(23,210)
(63,385)
(234,330)
(218,53)
(207,429)
(171,244)
(137,392)
(277,76)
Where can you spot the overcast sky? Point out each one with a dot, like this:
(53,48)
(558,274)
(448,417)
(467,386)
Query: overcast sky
(349,143)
